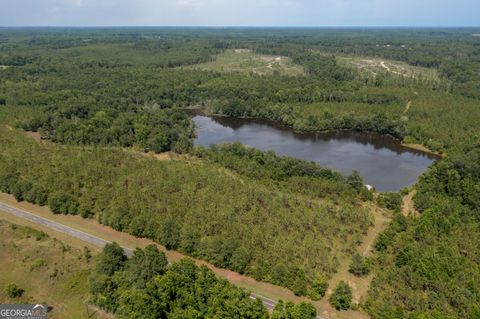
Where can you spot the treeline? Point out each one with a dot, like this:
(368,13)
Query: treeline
(82,93)
(146,286)
(147,128)
(443,122)
(102,91)
(429,267)
(462,73)
(297,118)
(289,230)
(94,102)
(297,175)
(453,52)
(321,66)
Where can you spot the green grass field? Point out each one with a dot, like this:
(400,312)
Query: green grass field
(47,269)
(242,60)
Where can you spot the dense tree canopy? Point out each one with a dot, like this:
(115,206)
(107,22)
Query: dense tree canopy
(256,213)
(102,95)
(145,286)
(432,262)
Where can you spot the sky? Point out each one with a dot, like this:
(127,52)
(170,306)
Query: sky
(239,12)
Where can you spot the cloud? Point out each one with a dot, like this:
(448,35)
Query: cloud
(78,3)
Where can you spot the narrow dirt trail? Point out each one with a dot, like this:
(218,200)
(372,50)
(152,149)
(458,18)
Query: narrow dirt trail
(360,285)
(386,67)
(407,107)
(408,207)
(409,104)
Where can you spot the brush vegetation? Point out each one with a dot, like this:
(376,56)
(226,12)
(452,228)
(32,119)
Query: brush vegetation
(37,268)
(280,220)
(104,94)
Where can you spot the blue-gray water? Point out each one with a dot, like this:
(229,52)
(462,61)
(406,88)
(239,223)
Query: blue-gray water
(380,160)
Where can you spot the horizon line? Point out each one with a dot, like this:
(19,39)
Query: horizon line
(243,26)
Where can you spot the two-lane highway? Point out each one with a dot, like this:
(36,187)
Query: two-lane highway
(94,240)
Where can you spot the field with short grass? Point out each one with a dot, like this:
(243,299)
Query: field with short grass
(47,269)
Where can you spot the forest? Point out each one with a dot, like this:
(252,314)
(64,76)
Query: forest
(277,221)
(100,102)
(146,286)
(428,265)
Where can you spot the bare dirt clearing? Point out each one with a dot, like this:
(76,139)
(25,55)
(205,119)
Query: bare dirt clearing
(244,60)
(374,67)
(407,207)
(35,135)
(360,285)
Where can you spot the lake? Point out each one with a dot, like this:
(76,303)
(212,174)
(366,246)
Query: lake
(381,160)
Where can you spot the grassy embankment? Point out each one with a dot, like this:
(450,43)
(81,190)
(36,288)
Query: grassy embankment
(51,268)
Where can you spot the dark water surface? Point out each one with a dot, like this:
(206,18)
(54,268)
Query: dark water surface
(380,160)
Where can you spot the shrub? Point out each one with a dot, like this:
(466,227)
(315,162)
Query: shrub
(85,212)
(390,200)
(30,232)
(111,259)
(7,181)
(13,291)
(359,266)
(20,189)
(319,288)
(37,263)
(341,298)
(290,310)
(36,195)
(87,254)
(62,203)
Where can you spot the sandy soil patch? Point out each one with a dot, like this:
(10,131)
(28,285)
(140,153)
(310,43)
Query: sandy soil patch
(408,207)
(423,148)
(360,285)
(35,135)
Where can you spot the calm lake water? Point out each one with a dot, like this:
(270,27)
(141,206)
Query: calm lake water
(380,160)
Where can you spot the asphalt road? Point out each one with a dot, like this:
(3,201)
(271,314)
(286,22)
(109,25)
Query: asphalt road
(94,240)
(97,241)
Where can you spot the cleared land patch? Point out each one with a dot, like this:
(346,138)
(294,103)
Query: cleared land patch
(243,60)
(375,66)
(360,285)
(47,269)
